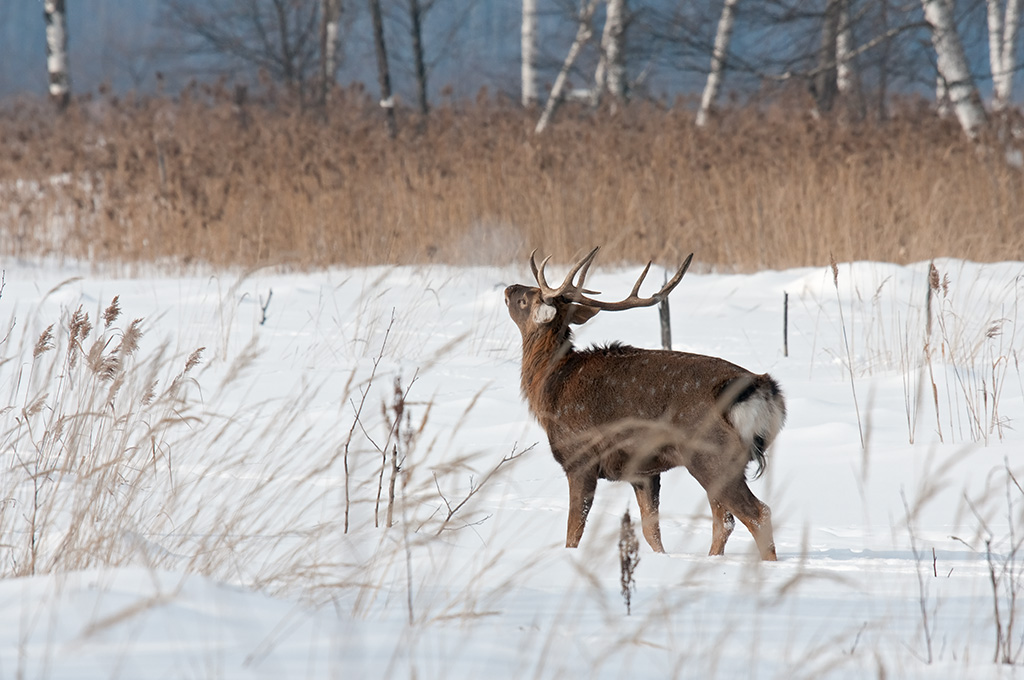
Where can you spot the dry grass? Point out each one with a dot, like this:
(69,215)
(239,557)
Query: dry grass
(204,178)
(114,456)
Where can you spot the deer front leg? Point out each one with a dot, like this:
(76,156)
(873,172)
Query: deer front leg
(648,496)
(582,487)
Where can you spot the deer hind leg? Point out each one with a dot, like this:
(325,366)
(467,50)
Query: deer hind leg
(755,515)
(582,487)
(722,524)
(648,496)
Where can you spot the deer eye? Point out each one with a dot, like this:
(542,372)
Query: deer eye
(522,302)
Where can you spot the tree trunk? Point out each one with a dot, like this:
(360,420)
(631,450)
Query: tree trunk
(826,85)
(883,65)
(1002,49)
(289,56)
(57,52)
(330,16)
(845,76)
(721,48)
(528,44)
(611,69)
(1010,29)
(952,66)
(387,100)
(995,43)
(415,24)
(583,35)
(848,83)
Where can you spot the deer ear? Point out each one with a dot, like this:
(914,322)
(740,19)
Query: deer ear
(580,314)
(543,313)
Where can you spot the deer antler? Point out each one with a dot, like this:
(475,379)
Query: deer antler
(576,293)
(567,288)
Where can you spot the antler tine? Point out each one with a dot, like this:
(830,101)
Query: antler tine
(568,285)
(633,299)
(583,266)
(538,274)
(677,277)
(643,274)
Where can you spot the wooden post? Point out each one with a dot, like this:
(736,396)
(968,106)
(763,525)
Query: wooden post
(785,324)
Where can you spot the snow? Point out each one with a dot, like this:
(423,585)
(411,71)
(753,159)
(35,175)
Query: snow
(219,549)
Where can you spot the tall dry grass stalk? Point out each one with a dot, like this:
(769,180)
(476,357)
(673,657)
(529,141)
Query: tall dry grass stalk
(113,455)
(210,178)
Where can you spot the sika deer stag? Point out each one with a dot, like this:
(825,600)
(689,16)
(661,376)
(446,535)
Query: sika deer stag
(629,414)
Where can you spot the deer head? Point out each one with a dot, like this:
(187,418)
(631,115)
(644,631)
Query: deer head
(543,308)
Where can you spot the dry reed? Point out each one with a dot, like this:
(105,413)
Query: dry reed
(228,180)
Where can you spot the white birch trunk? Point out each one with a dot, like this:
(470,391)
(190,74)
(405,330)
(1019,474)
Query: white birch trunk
(952,66)
(1002,49)
(528,43)
(583,35)
(844,51)
(1011,25)
(995,38)
(330,17)
(611,69)
(825,84)
(714,82)
(57,51)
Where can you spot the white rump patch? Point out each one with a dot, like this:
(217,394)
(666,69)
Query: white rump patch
(756,416)
(543,314)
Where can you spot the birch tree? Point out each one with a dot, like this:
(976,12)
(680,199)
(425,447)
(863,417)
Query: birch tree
(845,76)
(584,33)
(952,66)
(1003,24)
(57,52)
(330,17)
(387,99)
(611,68)
(721,48)
(825,81)
(528,45)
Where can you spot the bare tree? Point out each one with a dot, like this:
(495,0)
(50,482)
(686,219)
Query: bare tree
(845,77)
(1003,25)
(278,37)
(825,85)
(951,61)
(57,52)
(416,30)
(714,82)
(330,18)
(387,99)
(611,69)
(584,32)
(528,45)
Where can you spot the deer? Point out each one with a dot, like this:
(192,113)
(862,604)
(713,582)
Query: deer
(623,413)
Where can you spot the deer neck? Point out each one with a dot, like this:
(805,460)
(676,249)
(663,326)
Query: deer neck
(543,354)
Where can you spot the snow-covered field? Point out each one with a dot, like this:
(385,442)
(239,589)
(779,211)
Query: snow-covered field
(200,531)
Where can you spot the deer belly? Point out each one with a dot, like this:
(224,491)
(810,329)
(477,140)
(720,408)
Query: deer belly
(623,449)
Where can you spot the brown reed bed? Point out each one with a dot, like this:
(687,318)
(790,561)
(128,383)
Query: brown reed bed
(215,177)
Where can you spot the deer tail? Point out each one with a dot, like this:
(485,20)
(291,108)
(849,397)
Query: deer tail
(757,409)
